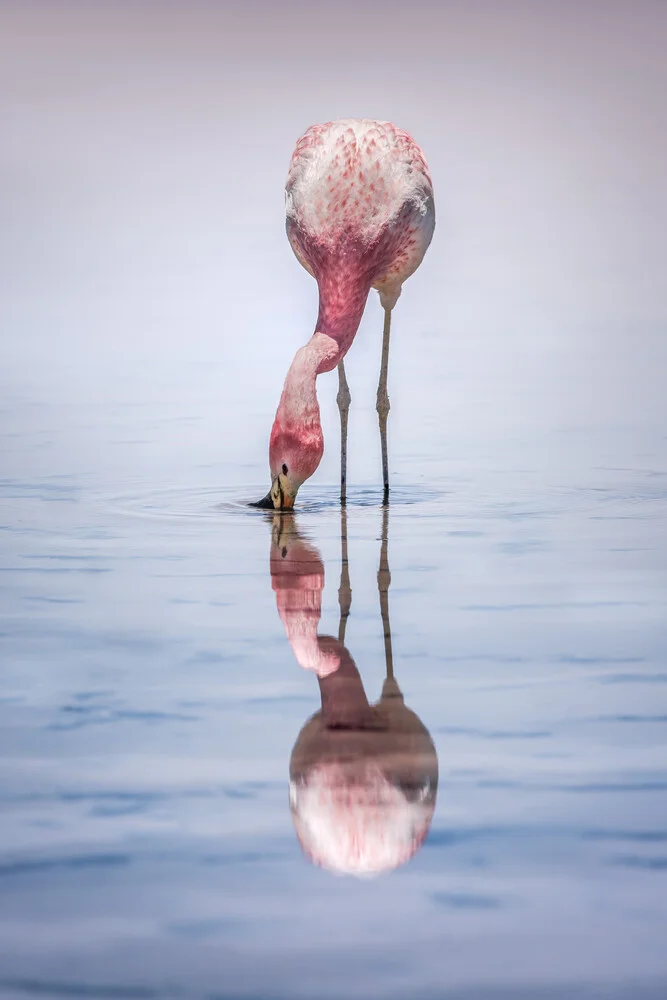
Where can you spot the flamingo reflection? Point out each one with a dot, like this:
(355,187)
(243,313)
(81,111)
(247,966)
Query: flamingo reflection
(363,777)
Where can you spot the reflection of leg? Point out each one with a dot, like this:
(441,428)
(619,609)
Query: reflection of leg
(382,405)
(345,590)
(343,399)
(384,579)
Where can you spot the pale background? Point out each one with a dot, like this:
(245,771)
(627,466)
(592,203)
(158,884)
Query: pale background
(143,156)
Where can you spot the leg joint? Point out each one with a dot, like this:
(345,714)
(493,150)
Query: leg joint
(343,398)
(382,406)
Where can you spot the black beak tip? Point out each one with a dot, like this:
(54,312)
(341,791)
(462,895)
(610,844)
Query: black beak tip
(266,503)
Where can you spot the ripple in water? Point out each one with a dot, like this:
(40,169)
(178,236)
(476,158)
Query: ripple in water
(462,498)
(210,502)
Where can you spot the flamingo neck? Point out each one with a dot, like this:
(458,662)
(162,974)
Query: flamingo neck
(343,296)
(298,409)
(343,293)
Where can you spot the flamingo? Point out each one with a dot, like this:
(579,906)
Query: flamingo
(360,215)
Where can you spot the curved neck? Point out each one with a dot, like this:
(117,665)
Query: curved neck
(343,295)
(296,428)
(342,303)
(298,408)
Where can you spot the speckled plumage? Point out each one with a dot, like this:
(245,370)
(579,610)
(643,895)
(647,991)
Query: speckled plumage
(359,199)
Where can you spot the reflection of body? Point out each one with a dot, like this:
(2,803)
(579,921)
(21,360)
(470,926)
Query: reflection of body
(363,778)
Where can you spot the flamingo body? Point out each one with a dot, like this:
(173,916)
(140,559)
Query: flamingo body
(360,212)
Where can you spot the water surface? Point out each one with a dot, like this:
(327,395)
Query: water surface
(151,702)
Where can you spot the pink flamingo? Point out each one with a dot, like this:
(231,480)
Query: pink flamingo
(360,215)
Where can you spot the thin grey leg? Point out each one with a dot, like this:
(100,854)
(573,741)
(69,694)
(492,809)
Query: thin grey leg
(343,399)
(382,405)
(345,590)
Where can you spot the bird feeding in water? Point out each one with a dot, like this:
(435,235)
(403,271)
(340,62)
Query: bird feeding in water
(360,215)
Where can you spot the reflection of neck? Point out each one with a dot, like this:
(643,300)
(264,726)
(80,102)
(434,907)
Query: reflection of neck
(344,701)
(297,577)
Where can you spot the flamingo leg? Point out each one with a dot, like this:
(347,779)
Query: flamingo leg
(382,405)
(343,399)
(345,590)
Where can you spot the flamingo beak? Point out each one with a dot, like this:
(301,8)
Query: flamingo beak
(279,497)
(266,503)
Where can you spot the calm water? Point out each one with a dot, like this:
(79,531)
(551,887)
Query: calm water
(151,702)
(171,824)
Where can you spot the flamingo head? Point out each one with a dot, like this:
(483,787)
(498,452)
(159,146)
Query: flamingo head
(294,455)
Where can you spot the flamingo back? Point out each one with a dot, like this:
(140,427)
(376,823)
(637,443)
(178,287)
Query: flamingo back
(359,193)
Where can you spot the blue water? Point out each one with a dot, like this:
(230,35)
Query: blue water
(150,702)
